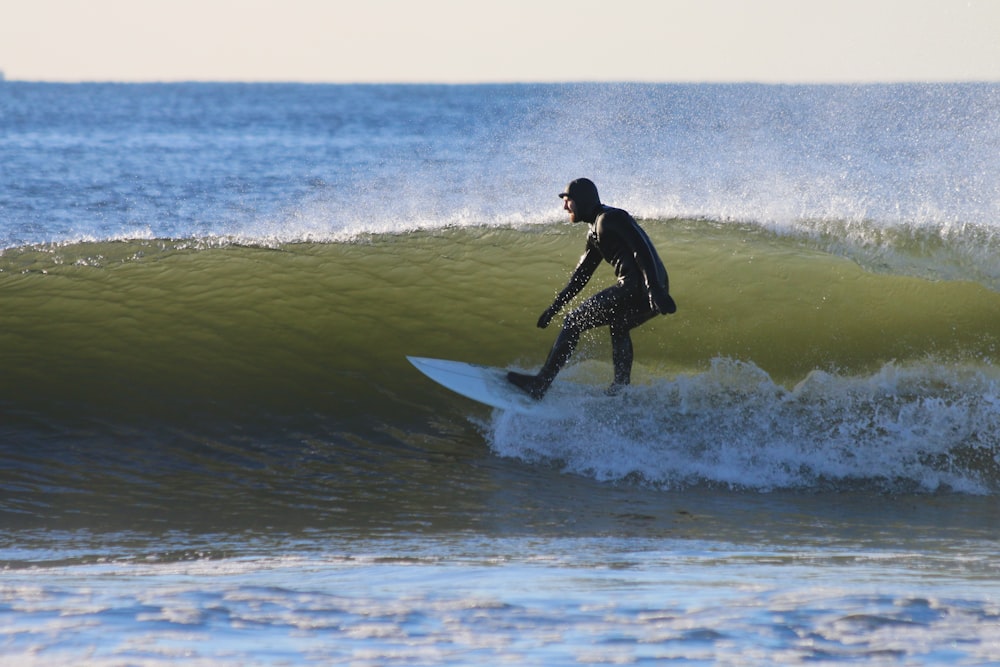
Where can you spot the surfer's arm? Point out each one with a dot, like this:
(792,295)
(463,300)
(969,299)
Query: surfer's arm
(581,276)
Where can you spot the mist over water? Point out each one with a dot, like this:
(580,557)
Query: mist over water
(203,159)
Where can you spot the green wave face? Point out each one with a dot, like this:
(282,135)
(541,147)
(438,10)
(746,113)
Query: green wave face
(784,365)
(112,321)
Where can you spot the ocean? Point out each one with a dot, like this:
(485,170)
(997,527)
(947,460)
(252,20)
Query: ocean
(213,450)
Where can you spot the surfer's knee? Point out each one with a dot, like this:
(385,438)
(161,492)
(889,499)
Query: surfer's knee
(576,321)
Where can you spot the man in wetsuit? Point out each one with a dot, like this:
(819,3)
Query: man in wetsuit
(642,290)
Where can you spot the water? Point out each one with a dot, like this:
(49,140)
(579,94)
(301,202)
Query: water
(214,451)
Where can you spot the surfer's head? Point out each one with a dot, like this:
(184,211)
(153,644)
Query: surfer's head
(581,200)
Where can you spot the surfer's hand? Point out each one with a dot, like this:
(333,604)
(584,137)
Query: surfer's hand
(547,316)
(660,301)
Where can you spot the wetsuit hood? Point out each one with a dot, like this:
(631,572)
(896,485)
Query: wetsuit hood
(584,193)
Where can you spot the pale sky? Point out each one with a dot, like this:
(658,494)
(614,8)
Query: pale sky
(473,41)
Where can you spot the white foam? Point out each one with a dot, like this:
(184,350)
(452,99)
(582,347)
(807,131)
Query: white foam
(922,427)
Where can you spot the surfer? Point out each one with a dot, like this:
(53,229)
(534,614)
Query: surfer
(641,292)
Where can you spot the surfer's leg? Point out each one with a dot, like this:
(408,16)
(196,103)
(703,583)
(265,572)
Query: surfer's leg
(562,350)
(593,312)
(560,353)
(632,313)
(622,354)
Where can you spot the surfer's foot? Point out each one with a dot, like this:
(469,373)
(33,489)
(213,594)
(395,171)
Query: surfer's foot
(530,384)
(615,388)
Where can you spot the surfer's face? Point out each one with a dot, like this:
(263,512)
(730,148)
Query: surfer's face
(569,205)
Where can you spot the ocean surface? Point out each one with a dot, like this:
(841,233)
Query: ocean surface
(214,452)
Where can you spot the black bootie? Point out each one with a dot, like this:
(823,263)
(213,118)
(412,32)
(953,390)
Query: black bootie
(529,384)
(536,385)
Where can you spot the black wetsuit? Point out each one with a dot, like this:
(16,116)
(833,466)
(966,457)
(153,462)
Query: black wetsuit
(616,238)
(641,292)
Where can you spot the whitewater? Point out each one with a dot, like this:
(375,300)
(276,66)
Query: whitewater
(214,451)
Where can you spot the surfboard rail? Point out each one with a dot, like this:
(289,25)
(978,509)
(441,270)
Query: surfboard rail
(484,384)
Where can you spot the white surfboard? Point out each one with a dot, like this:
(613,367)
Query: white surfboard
(484,384)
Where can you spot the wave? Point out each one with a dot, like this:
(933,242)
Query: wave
(935,251)
(785,367)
